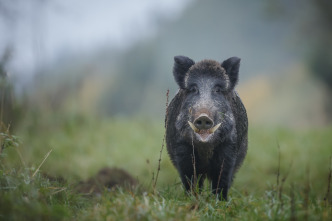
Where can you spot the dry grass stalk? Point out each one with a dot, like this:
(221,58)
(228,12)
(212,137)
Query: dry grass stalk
(283,180)
(221,169)
(163,143)
(194,181)
(46,156)
(278,171)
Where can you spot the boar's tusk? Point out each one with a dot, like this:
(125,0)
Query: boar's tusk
(193,127)
(213,129)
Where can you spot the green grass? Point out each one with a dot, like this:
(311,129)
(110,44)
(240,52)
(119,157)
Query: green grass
(81,146)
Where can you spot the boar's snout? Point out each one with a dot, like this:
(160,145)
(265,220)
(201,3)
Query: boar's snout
(203,122)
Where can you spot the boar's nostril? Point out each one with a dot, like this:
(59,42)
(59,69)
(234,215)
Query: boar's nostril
(203,123)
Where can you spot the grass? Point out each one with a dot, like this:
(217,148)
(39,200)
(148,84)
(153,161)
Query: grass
(81,146)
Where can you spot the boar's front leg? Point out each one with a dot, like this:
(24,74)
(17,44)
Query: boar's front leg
(222,174)
(185,166)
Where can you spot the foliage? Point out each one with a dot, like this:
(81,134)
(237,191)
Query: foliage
(27,194)
(264,189)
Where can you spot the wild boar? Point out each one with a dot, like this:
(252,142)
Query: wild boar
(206,123)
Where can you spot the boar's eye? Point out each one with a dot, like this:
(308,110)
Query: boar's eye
(217,89)
(193,89)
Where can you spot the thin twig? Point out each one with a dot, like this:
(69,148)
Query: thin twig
(283,180)
(221,169)
(46,156)
(152,180)
(163,143)
(278,172)
(194,165)
(159,161)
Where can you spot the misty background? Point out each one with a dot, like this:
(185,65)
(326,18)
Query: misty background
(114,58)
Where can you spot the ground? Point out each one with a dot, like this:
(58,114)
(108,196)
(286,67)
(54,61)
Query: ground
(284,176)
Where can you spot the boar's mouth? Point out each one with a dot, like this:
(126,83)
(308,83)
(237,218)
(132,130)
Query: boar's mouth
(204,134)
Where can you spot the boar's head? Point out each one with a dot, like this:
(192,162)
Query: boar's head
(206,113)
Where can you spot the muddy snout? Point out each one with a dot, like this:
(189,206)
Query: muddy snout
(203,122)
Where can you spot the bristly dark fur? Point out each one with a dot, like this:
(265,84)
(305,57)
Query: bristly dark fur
(207,86)
(181,66)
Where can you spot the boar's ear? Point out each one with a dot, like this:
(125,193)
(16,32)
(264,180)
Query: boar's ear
(181,66)
(232,66)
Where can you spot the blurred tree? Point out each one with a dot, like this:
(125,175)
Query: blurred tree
(10,111)
(313,25)
(321,57)
(12,108)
